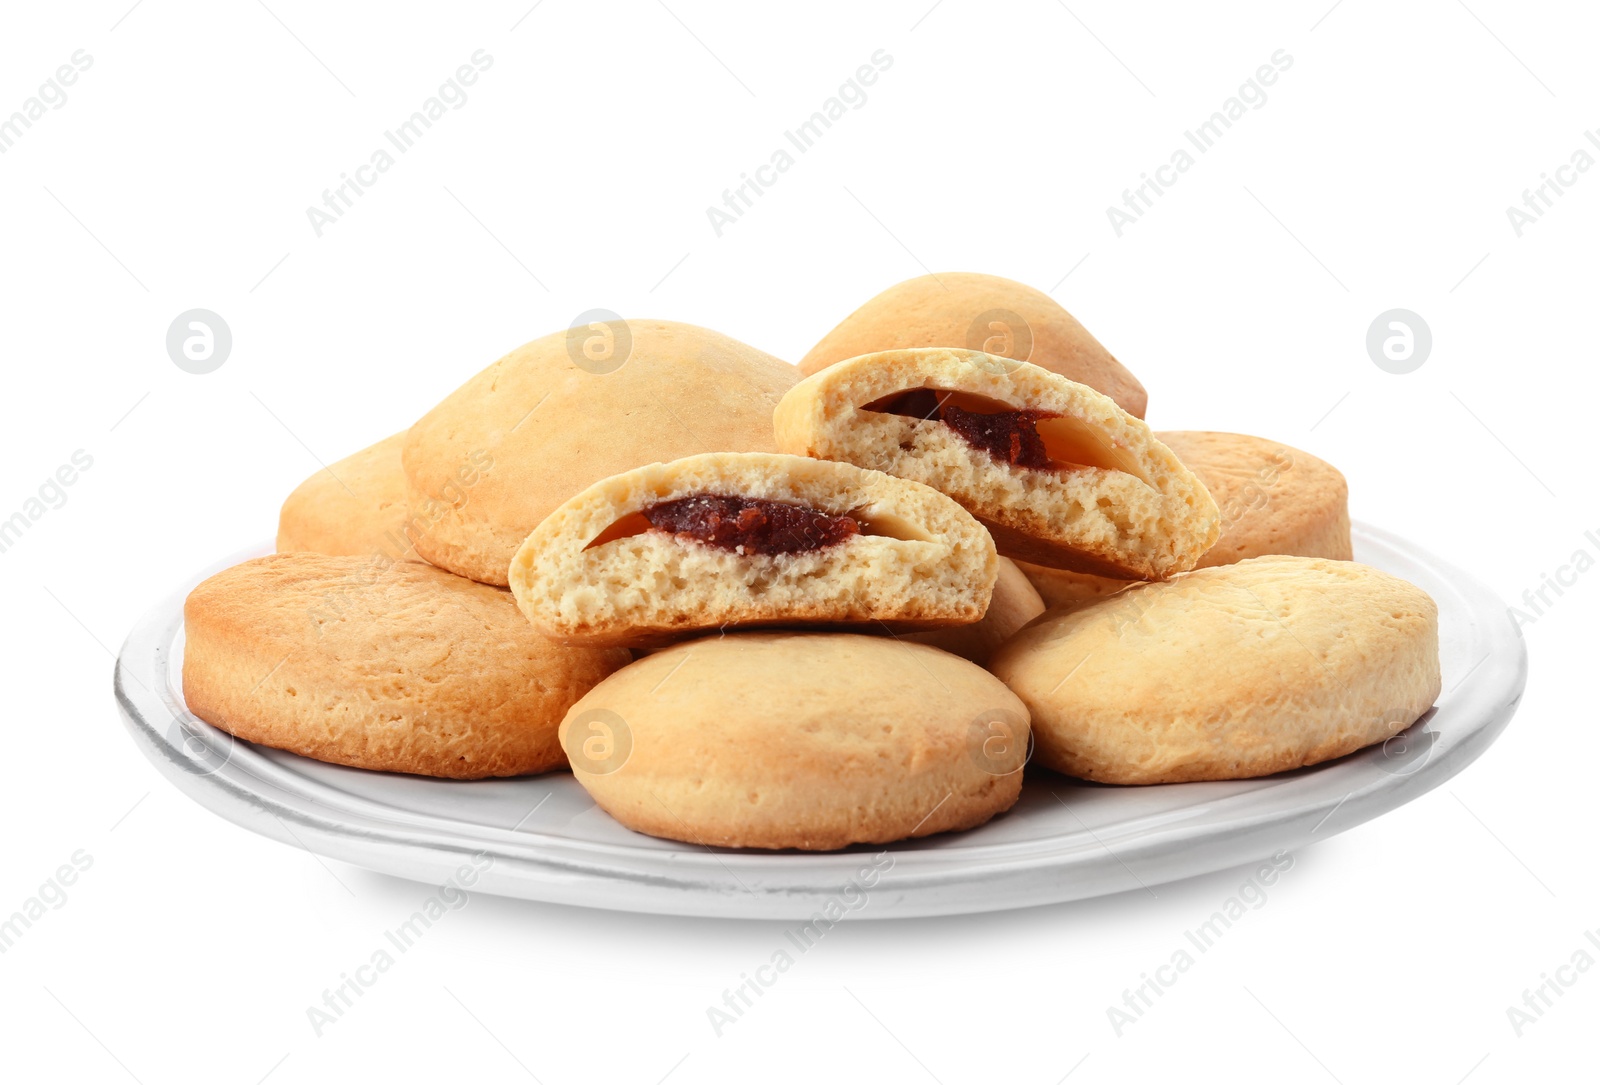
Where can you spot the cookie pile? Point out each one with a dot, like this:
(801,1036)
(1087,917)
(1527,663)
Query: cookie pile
(751,604)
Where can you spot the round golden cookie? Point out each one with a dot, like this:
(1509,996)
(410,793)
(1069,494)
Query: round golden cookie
(1227,673)
(798,740)
(1013,605)
(979,312)
(400,667)
(356,507)
(568,410)
(1273,499)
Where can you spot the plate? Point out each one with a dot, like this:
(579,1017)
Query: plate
(542,837)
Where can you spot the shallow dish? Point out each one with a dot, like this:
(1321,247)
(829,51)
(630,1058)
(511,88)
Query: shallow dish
(544,839)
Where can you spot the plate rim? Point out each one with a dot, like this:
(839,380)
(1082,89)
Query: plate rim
(687,880)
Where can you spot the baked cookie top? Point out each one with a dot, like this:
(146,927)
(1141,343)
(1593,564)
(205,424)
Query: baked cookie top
(1228,672)
(799,740)
(572,408)
(979,312)
(355,507)
(401,666)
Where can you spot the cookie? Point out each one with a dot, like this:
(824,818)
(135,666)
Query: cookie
(1014,604)
(355,507)
(799,740)
(568,410)
(1225,673)
(733,539)
(979,312)
(1273,499)
(400,667)
(1058,473)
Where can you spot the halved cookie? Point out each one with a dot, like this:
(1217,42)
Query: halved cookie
(750,538)
(568,410)
(979,312)
(1273,499)
(1059,473)
(798,740)
(1226,673)
(400,667)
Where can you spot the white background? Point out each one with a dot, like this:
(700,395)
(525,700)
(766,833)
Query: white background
(1377,175)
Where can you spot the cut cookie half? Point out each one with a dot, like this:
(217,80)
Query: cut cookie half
(750,539)
(1060,474)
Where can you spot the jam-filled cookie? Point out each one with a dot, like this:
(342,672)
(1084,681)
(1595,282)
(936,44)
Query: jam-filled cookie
(726,539)
(799,740)
(355,507)
(1059,473)
(979,312)
(1226,673)
(568,410)
(1273,499)
(400,667)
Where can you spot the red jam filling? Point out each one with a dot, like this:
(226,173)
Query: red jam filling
(1008,436)
(750,525)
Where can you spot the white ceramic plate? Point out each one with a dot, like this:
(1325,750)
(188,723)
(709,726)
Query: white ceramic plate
(544,839)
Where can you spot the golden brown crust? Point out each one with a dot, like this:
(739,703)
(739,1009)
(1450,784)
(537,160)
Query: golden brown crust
(799,740)
(979,312)
(920,562)
(503,450)
(399,667)
(1014,604)
(1226,673)
(355,507)
(1274,499)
